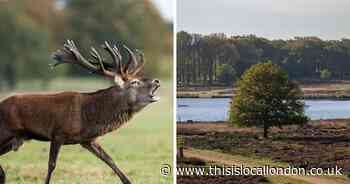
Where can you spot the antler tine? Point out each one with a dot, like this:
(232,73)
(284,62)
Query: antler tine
(139,68)
(93,54)
(116,56)
(116,50)
(132,59)
(71,54)
(98,57)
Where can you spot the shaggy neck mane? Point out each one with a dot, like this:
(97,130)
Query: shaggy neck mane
(105,110)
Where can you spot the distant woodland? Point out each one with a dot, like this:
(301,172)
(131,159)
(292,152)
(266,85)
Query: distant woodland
(32,29)
(218,59)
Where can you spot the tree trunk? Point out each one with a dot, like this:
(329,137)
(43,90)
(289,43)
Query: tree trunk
(10,75)
(266,131)
(210,72)
(181,152)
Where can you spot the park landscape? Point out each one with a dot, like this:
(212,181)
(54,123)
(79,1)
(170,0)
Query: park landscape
(218,120)
(238,138)
(317,143)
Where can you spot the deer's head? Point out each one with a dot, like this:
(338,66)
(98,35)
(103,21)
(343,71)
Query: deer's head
(137,90)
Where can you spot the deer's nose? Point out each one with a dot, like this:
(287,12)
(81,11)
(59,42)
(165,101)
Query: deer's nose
(156,81)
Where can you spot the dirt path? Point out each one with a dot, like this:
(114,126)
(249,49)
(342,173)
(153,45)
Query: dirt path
(229,160)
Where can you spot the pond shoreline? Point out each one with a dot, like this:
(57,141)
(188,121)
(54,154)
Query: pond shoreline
(189,122)
(305,97)
(327,91)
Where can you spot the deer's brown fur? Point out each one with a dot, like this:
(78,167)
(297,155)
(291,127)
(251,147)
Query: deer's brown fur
(67,117)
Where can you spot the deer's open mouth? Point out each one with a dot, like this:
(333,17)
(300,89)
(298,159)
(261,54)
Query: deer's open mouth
(154,98)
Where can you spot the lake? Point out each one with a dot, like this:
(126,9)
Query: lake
(216,109)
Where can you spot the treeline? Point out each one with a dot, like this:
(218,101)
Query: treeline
(31,30)
(217,59)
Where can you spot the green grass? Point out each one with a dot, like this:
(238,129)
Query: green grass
(139,148)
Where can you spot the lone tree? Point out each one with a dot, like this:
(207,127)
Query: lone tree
(265,97)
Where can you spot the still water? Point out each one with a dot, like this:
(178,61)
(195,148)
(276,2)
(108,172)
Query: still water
(216,109)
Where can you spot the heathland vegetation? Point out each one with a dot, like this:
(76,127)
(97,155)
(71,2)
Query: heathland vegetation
(318,144)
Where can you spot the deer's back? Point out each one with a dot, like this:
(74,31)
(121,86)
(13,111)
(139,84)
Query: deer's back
(43,117)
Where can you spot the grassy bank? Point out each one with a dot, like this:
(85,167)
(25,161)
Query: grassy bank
(139,148)
(340,90)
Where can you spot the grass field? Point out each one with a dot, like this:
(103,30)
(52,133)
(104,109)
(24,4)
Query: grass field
(139,148)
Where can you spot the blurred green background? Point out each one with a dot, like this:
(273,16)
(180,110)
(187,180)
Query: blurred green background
(32,29)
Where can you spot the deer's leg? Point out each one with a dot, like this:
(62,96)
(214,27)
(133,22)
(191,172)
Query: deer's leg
(98,151)
(54,150)
(8,141)
(5,147)
(2,176)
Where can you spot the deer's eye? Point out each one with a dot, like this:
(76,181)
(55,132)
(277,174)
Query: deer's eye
(135,82)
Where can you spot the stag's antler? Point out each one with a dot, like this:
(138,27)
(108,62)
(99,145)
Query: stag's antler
(71,55)
(134,67)
(116,56)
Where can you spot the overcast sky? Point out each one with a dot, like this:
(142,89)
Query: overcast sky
(166,8)
(327,19)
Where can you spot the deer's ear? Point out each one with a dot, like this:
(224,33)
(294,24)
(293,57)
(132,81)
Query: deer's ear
(119,81)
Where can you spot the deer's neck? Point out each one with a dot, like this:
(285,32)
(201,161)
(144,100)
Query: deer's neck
(105,111)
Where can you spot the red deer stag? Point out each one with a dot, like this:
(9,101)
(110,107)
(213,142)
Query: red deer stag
(78,118)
